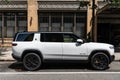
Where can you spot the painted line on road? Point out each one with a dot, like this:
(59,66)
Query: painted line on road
(55,73)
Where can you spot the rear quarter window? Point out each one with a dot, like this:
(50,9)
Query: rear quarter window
(25,37)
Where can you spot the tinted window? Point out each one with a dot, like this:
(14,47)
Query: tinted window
(70,38)
(25,37)
(51,37)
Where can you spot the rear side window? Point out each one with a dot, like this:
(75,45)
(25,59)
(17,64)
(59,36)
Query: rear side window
(25,37)
(51,37)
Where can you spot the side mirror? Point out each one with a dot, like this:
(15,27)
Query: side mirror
(79,41)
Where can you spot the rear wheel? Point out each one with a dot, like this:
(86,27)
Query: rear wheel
(100,61)
(32,61)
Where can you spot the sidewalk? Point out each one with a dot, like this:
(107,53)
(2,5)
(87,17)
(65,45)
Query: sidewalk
(5,55)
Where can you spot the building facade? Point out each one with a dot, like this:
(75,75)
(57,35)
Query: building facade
(55,16)
(109,26)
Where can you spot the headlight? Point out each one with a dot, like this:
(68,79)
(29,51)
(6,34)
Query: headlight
(111,47)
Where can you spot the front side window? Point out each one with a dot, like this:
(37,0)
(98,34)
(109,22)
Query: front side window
(25,37)
(70,38)
(51,37)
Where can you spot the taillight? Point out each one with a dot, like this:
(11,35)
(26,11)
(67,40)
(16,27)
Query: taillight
(14,44)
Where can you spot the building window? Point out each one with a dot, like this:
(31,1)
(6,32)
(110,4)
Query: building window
(43,22)
(9,24)
(56,22)
(68,22)
(80,25)
(22,22)
(0,25)
(63,21)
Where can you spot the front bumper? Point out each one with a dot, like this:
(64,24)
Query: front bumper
(112,58)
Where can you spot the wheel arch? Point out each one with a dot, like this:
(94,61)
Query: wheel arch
(34,51)
(103,51)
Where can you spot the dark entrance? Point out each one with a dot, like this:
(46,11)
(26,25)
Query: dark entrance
(109,33)
(104,33)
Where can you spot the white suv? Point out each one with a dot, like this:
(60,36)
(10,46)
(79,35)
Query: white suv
(34,48)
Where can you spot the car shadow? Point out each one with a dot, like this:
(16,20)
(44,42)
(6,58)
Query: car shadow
(18,66)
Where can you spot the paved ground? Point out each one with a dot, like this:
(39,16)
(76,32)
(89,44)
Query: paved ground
(68,76)
(5,54)
(12,70)
(12,66)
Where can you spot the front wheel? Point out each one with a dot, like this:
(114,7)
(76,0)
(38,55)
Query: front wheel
(100,61)
(32,61)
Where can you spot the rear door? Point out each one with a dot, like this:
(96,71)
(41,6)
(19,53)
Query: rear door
(51,45)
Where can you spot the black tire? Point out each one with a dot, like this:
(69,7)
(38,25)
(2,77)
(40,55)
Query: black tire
(32,61)
(99,61)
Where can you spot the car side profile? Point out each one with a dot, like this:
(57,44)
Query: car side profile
(34,48)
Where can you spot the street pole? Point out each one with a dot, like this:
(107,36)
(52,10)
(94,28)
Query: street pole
(93,20)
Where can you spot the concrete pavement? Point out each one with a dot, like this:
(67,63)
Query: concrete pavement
(5,55)
(71,76)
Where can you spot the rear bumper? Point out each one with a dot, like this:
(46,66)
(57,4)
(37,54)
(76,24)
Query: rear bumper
(16,57)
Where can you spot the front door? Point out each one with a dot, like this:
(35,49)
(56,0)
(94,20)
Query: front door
(73,50)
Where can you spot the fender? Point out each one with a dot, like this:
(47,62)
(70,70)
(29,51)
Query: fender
(32,50)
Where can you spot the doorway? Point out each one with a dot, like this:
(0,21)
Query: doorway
(109,33)
(104,33)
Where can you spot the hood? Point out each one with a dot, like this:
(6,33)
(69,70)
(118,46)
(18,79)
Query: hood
(95,43)
(99,45)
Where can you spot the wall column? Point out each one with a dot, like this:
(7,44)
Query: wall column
(32,15)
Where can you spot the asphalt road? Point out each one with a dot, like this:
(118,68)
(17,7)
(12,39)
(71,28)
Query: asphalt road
(76,76)
(57,67)
(56,71)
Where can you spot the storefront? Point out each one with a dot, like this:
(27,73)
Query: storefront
(109,26)
(52,16)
